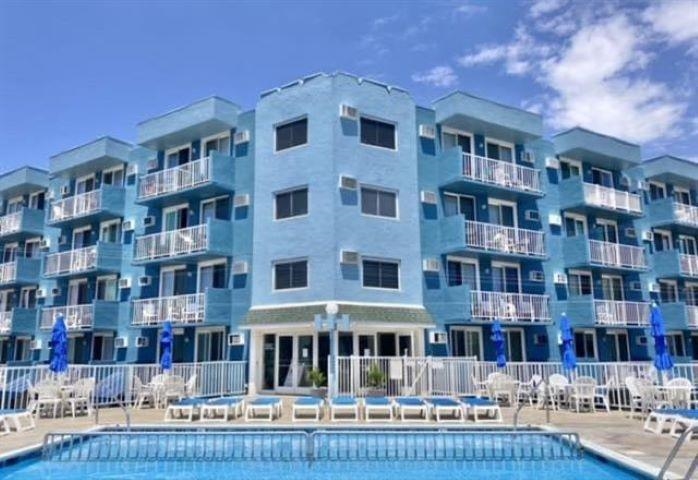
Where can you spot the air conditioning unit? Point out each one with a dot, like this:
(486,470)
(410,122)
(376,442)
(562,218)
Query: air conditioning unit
(540,339)
(51,195)
(437,338)
(148,221)
(529,157)
(131,169)
(142,342)
(121,342)
(533,215)
(432,265)
(624,181)
(35,344)
(647,236)
(630,232)
(127,225)
(642,185)
(653,287)
(552,162)
(641,340)
(41,293)
(236,339)
(55,291)
(555,219)
(635,286)
(144,281)
(243,136)
(65,190)
(125,282)
(536,276)
(560,278)
(240,268)
(427,131)
(152,164)
(45,243)
(348,183)
(348,112)
(349,257)
(428,197)
(242,200)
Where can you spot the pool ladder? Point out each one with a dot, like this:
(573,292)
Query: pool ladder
(683,438)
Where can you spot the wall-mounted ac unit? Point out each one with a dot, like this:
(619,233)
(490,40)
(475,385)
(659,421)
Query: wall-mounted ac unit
(427,131)
(242,200)
(240,267)
(349,257)
(630,232)
(41,293)
(142,342)
(552,162)
(432,265)
(555,219)
(529,157)
(624,181)
(148,221)
(55,291)
(144,281)
(236,339)
(647,236)
(35,344)
(536,276)
(51,195)
(121,342)
(152,164)
(65,190)
(243,136)
(348,183)
(125,282)
(428,197)
(653,287)
(437,338)
(635,286)
(560,278)
(131,169)
(45,243)
(533,215)
(348,112)
(642,185)
(127,225)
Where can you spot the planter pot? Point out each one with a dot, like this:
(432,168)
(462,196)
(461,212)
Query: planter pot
(375,392)
(318,392)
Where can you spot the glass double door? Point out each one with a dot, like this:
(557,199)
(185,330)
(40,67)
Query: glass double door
(288,360)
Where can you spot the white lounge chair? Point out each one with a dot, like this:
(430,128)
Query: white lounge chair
(378,409)
(20,420)
(304,405)
(412,409)
(224,406)
(346,407)
(446,409)
(481,406)
(183,410)
(268,407)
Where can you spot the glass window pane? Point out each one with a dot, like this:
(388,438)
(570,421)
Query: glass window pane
(387,207)
(450,205)
(300,202)
(283,205)
(292,134)
(369,201)
(379,134)
(282,276)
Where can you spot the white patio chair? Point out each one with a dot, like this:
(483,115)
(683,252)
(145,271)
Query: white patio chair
(190,387)
(504,388)
(557,385)
(602,393)
(48,397)
(82,396)
(583,393)
(528,391)
(143,394)
(173,388)
(678,393)
(480,387)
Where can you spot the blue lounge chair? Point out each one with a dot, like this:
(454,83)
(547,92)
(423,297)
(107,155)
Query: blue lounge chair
(313,405)
(270,407)
(382,406)
(183,410)
(410,406)
(477,406)
(447,406)
(344,405)
(224,405)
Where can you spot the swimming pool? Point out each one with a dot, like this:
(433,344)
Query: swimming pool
(356,454)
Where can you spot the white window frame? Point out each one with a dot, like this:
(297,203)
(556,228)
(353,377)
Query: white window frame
(682,190)
(112,170)
(166,269)
(289,190)
(592,332)
(498,202)
(463,133)
(666,237)
(458,196)
(73,283)
(671,283)
(208,263)
(616,341)
(290,260)
(622,286)
(605,223)
(380,189)
(14,201)
(507,338)
(604,171)
(687,239)
(464,329)
(5,294)
(172,150)
(109,223)
(218,138)
(35,195)
(83,179)
(286,122)
(472,261)
(13,246)
(208,331)
(586,273)
(382,260)
(204,202)
(660,186)
(671,336)
(103,335)
(687,287)
(576,217)
(107,278)
(76,232)
(501,143)
(575,163)
(32,241)
(517,266)
(387,122)
(24,295)
(173,208)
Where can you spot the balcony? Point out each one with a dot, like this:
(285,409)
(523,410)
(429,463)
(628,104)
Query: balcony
(100,154)
(597,149)
(577,195)
(98,314)
(97,205)
(498,240)
(5,323)
(212,239)
(580,251)
(18,321)
(203,178)
(674,264)
(666,212)
(28,222)
(214,307)
(509,307)
(615,313)
(23,271)
(680,316)
(100,258)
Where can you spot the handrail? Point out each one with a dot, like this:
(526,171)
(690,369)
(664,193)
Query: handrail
(675,451)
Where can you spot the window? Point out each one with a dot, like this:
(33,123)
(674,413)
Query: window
(175,218)
(219,144)
(456,139)
(570,169)
(668,291)
(103,347)
(574,225)
(177,156)
(106,288)
(579,283)
(210,346)
(687,245)
(506,278)
(212,276)
(608,230)
(22,350)
(601,177)
(381,274)
(37,200)
(502,213)
(378,134)
(293,203)
(657,191)
(585,345)
(461,273)
(466,342)
(85,184)
(27,297)
(113,177)
(379,203)
(498,151)
(694,343)
(612,286)
(14,205)
(662,240)
(81,237)
(288,275)
(515,344)
(292,134)
(674,341)
(10,252)
(215,208)
(459,205)
(110,232)
(682,196)
(32,248)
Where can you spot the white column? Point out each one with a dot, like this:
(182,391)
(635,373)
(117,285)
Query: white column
(253,363)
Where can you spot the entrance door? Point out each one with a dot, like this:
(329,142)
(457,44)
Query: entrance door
(612,287)
(516,347)
(84,185)
(77,292)
(466,342)
(620,347)
(505,278)
(177,157)
(295,357)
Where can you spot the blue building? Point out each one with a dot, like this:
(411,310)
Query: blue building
(422,224)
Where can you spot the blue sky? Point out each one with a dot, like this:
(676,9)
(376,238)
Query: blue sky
(73,71)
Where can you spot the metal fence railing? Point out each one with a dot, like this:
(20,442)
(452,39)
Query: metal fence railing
(611,198)
(500,238)
(509,307)
(617,255)
(183,241)
(501,173)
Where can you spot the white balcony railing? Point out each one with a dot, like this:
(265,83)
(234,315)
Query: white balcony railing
(689,265)
(617,255)
(8,272)
(618,313)
(509,307)
(175,179)
(692,316)
(606,197)
(186,309)
(72,261)
(11,223)
(498,172)
(5,322)
(686,213)
(499,238)
(183,241)
(76,317)
(75,206)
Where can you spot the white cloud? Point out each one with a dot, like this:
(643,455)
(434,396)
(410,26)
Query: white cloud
(484,56)
(676,21)
(518,56)
(541,7)
(469,9)
(440,76)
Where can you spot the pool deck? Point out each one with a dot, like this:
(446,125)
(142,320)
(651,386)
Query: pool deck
(613,431)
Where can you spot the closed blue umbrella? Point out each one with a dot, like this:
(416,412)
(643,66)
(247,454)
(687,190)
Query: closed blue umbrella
(498,340)
(166,347)
(662,358)
(59,346)
(569,360)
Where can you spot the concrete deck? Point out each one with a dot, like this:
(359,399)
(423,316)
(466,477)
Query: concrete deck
(613,431)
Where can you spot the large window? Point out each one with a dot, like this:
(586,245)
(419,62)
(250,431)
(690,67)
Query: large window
(378,134)
(657,191)
(381,274)
(466,342)
(499,151)
(585,345)
(570,169)
(461,273)
(668,291)
(455,204)
(292,134)
(580,283)
(674,341)
(289,275)
(380,203)
(292,203)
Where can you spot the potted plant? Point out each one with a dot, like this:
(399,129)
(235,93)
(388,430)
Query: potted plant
(375,381)
(319,381)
